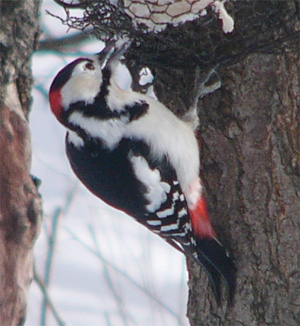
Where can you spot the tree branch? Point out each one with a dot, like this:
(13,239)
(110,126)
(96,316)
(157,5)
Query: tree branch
(68,5)
(47,298)
(62,42)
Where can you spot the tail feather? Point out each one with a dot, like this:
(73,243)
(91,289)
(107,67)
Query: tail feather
(217,261)
(211,253)
(213,275)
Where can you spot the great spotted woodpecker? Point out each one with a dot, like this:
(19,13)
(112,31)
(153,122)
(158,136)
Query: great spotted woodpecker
(133,153)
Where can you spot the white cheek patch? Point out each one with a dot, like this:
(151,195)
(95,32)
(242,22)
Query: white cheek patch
(157,190)
(109,131)
(80,88)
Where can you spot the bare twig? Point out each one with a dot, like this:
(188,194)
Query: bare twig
(50,304)
(68,5)
(59,211)
(59,43)
(49,260)
(122,273)
(116,295)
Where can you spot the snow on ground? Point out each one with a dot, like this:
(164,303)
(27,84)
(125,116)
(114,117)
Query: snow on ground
(105,268)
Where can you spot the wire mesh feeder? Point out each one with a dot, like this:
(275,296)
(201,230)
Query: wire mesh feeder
(157,14)
(183,34)
(150,15)
(173,37)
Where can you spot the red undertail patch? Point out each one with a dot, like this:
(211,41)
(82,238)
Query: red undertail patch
(200,220)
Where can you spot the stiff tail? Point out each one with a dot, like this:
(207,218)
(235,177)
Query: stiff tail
(213,275)
(217,262)
(210,252)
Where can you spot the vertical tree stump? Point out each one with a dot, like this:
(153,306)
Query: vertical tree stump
(20,204)
(250,141)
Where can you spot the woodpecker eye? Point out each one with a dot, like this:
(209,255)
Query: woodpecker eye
(89,66)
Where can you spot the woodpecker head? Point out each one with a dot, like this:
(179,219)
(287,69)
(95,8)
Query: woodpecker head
(81,80)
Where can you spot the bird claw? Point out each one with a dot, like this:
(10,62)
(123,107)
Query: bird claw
(202,88)
(202,85)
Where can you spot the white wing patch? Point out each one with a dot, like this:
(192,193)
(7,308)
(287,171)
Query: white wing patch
(182,212)
(166,135)
(154,222)
(157,190)
(167,212)
(170,227)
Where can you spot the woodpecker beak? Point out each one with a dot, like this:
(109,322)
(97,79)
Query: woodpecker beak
(113,51)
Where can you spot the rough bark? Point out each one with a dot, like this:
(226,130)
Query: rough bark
(20,205)
(250,154)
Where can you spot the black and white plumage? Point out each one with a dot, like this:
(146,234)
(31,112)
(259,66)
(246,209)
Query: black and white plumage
(133,153)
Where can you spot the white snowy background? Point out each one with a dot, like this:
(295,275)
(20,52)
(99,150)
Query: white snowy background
(102,268)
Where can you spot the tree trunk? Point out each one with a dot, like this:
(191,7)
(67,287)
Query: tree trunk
(20,204)
(250,155)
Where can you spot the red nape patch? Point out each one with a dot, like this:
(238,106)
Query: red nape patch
(55,103)
(200,220)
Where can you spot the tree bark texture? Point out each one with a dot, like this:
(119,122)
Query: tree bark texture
(250,167)
(20,204)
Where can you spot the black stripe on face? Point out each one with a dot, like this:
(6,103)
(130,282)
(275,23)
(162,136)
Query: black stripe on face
(101,111)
